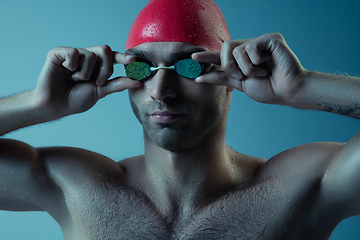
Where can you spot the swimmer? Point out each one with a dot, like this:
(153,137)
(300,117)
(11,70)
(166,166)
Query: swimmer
(189,184)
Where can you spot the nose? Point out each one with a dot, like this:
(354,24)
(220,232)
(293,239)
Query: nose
(163,85)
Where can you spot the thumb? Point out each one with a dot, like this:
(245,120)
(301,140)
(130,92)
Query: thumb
(118,84)
(220,78)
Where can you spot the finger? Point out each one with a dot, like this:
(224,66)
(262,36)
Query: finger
(228,61)
(109,58)
(105,62)
(220,78)
(245,64)
(86,66)
(207,57)
(64,56)
(256,50)
(71,59)
(118,84)
(123,58)
(227,51)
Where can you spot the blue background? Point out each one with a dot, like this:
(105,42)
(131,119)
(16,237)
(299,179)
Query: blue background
(324,34)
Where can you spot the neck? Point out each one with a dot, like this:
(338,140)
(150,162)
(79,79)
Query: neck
(188,175)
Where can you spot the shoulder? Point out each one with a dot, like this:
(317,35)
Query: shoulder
(64,163)
(308,162)
(310,153)
(44,174)
(342,180)
(130,167)
(334,169)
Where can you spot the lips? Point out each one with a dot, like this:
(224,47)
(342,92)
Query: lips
(165,116)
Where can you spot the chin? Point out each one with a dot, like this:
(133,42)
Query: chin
(178,139)
(172,140)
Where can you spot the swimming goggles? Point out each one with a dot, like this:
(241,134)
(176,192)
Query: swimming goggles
(143,69)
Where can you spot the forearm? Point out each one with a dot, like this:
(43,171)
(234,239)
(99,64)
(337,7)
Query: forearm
(20,111)
(331,93)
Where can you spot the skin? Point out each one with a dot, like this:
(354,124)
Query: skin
(186,186)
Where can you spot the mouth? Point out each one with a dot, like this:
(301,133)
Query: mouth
(165,116)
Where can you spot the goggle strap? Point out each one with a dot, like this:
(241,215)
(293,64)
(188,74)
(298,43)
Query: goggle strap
(157,68)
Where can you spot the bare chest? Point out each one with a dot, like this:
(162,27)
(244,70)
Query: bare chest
(257,212)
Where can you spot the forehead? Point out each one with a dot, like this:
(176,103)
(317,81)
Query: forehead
(165,51)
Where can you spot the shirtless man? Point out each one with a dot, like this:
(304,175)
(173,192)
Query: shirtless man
(189,184)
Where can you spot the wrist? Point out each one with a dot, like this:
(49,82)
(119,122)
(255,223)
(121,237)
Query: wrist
(302,97)
(18,111)
(43,108)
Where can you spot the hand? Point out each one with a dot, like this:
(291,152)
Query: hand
(264,68)
(73,80)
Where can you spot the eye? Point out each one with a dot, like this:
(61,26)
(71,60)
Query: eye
(188,68)
(138,70)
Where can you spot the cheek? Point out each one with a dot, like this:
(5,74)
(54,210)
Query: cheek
(135,102)
(132,96)
(138,95)
(210,100)
(207,93)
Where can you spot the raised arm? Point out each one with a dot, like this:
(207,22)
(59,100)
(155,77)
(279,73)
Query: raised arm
(266,70)
(330,93)
(71,81)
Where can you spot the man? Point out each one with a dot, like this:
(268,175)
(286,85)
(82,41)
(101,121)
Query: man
(189,184)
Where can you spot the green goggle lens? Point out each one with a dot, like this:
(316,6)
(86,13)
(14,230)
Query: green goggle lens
(188,68)
(138,70)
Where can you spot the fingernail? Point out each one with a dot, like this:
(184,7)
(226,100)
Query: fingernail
(75,78)
(194,55)
(137,84)
(198,79)
(98,83)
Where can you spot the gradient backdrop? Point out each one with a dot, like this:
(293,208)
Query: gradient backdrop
(324,34)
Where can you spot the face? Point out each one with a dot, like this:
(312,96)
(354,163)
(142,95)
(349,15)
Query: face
(175,112)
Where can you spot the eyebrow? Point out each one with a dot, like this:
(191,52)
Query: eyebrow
(175,56)
(137,53)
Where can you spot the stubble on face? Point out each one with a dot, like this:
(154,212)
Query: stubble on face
(202,106)
(197,120)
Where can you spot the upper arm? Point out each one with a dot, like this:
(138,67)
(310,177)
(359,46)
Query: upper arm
(25,184)
(341,181)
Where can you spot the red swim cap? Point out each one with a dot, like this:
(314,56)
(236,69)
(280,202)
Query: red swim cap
(198,22)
